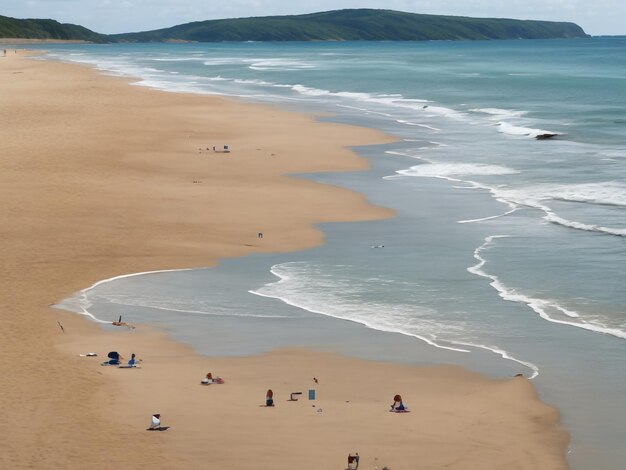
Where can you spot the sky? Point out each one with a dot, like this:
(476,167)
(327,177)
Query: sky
(596,17)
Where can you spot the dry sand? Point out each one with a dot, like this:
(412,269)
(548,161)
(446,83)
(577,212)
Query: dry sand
(99,178)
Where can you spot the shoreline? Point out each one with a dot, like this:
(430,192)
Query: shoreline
(97,230)
(24,41)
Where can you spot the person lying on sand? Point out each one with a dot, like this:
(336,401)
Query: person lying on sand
(209,379)
(121,323)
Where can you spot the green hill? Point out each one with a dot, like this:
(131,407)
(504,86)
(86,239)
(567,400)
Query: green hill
(46,29)
(340,25)
(357,25)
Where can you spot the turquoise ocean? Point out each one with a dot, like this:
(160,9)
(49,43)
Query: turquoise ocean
(507,254)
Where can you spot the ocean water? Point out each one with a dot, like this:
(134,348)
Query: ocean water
(508,252)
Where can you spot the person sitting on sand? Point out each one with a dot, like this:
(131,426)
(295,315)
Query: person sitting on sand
(156,424)
(353,461)
(397,404)
(269,398)
(132,360)
(208,379)
(114,359)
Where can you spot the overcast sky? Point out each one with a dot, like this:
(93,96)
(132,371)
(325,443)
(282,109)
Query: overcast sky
(596,17)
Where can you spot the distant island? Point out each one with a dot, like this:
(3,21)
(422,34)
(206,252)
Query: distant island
(339,25)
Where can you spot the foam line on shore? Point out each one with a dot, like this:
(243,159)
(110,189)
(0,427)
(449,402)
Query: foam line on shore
(539,306)
(84,303)
(362,322)
(432,341)
(199,312)
(521,198)
(483,219)
(505,355)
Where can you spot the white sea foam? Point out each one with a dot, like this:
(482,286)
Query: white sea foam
(318,295)
(259,82)
(453,171)
(391,100)
(176,59)
(498,113)
(538,196)
(407,154)
(511,129)
(505,355)
(314,291)
(555,219)
(483,219)
(214,311)
(224,61)
(368,111)
(442,111)
(280,63)
(417,124)
(610,193)
(542,307)
(81,302)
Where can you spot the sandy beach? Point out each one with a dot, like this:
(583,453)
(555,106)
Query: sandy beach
(101,179)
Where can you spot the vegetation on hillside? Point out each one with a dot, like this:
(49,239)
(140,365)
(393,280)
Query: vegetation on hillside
(357,25)
(340,25)
(46,29)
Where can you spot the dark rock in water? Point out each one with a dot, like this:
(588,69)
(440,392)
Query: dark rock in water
(545,136)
